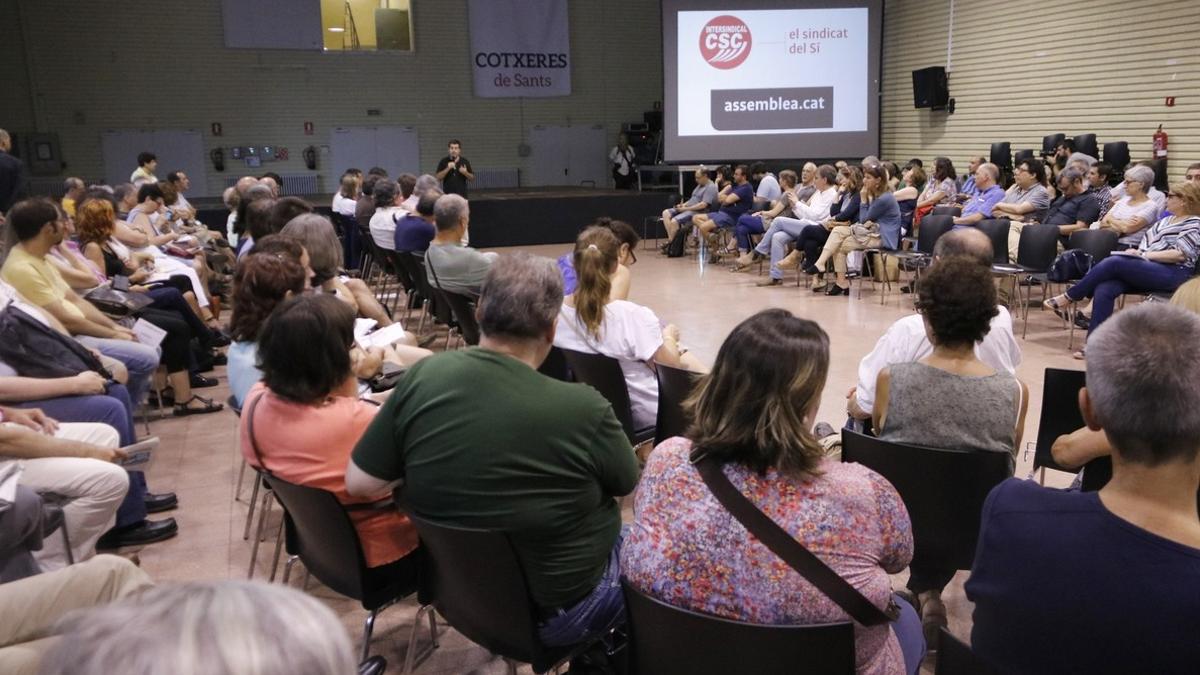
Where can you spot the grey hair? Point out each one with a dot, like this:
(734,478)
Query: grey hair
(520,297)
(1143,380)
(230,198)
(425,182)
(204,628)
(123,190)
(427,201)
(259,191)
(870,160)
(992,169)
(73,183)
(967,242)
(1081,157)
(448,211)
(318,237)
(1070,175)
(4,137)
(1142,174)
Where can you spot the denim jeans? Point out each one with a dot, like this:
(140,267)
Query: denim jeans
(596,614)
(140,360)
(1117,275)
(910,636)
(782,232)
(746,226)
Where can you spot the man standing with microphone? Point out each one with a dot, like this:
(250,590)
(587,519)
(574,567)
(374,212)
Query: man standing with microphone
(454,171)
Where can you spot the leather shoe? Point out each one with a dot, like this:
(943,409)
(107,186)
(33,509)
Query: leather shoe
(220,359)
(769,282)
(834,289)
(199,381)
(156,503)
(145,532)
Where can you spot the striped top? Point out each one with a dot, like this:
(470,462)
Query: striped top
(1182,236)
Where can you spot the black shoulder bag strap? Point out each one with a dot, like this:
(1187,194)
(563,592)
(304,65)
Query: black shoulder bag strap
(791,551)
(250,432)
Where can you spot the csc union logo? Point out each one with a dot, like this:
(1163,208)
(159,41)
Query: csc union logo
(725,42)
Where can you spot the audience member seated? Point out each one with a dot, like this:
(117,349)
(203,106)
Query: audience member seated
(37,225)
(623,277)
(814,210)
(755,413)
(766,186)
(1134,212)
(907,340)
(878,227)
(733,204)
(449,264)
(229,626)
(950,399)
(938,191)
(425,183)
(34,606)
(1073,210)
(262,281)
(1081,549)
(808,174)
(1098,187)
(283,211)
(549,475)
(969,189)
(365,207)
(1156,195)
(988,193)
(387,210)
(592,322)
(704,196)
(302,421)
(1162,262)
(756,222)
(908,192)
(1193,173)
(416,229)
(842,211)
(1026,200)
(73,461)
(346,197)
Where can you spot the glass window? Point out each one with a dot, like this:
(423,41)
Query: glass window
(366,25)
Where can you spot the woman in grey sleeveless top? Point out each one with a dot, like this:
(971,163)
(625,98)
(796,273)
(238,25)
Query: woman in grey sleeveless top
(950,399)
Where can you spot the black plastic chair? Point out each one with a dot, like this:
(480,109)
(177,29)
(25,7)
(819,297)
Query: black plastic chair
(932,228)
(952,210)
(956,658)
(462,309)
(319,534)
(1086,143)
(347,231)
(415,268)
(943,491)
(1097,243)
(1060,415)
(475,580)
(605,375)
(1116,154)
(555,366)
(667,640)
(674,386)
(1001,156)
(997,230)
(1036,251)
(1021,156)
(1049,143)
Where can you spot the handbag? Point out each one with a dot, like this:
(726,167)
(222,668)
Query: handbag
(791,551)
(33,349)
(1069,265)
(117,302)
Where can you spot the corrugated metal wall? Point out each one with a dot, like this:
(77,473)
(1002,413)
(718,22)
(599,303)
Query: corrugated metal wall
(163,65)
(1023,69)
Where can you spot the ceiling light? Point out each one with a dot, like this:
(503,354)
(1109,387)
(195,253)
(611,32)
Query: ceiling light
(337,29)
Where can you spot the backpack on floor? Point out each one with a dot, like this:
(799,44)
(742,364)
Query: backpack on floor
(678,243)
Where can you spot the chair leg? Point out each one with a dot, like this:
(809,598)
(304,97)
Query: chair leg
(67,543)
(237,494)
(263,512)
(251,503)
(278,551)
(287,568)
(368,628)
(410,656)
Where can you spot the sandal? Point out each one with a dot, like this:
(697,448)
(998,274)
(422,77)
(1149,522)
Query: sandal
(1060,311)
(183,409)
(1080,355)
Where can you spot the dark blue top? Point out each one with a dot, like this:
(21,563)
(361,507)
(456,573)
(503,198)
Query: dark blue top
(1061,585)
(413,234)
(1070,210)
(745,193)
(845,208)
(886,212)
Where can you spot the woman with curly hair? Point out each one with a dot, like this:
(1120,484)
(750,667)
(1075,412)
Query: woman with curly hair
(950,399)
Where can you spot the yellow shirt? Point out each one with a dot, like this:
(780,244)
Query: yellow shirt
(38,280)
(68,205)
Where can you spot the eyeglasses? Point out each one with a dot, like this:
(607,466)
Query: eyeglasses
(632,257)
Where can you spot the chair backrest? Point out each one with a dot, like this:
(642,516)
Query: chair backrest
(463,309)
(342,224)
(1098,243)
(401,272)
(674,386)
(932,228)
(1038,246)
(555,366)
(942,489)
(1086,143)
(320,532)
(475,580)
(415,267)
(997,230)
(1116,154)
(956,658)
(667,640)
(605,375)
(1021,155)
(1050,142)
(952,210)
(1001,155)
(1060,413)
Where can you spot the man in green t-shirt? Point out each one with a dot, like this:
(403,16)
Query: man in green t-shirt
(482,440)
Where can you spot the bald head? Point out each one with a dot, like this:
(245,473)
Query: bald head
(244,184)
(967,242)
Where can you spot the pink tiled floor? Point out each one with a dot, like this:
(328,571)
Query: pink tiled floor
(199,458)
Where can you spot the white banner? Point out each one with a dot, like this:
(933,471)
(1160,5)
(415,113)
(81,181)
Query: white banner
(520,48)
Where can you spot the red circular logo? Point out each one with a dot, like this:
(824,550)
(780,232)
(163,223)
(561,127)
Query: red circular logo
(725,42)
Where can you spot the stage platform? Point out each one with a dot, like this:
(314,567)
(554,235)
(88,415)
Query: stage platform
(529,216)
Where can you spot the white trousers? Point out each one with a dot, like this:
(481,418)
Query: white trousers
(93,490)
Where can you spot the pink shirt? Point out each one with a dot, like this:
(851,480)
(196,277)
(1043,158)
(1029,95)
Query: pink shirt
(310,445)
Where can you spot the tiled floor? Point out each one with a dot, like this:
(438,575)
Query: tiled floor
(199,458)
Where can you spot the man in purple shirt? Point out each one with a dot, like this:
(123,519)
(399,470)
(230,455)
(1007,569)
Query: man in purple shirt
(415,231)
(979,207)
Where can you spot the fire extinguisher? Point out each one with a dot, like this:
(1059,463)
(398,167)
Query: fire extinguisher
(1160,143)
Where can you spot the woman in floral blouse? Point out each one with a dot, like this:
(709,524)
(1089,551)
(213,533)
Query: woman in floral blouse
(755,412)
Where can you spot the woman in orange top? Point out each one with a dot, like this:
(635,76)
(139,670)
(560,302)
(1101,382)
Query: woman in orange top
(307,416)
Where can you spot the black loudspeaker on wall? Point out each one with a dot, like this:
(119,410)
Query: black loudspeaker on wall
(931,89)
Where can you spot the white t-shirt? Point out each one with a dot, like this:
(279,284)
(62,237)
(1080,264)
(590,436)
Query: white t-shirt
(768,189)
(906,342)
(1123,210)
(343,205)
(383,226)
(630,334)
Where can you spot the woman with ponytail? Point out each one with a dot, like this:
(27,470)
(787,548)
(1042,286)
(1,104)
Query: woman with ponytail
(591,321)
